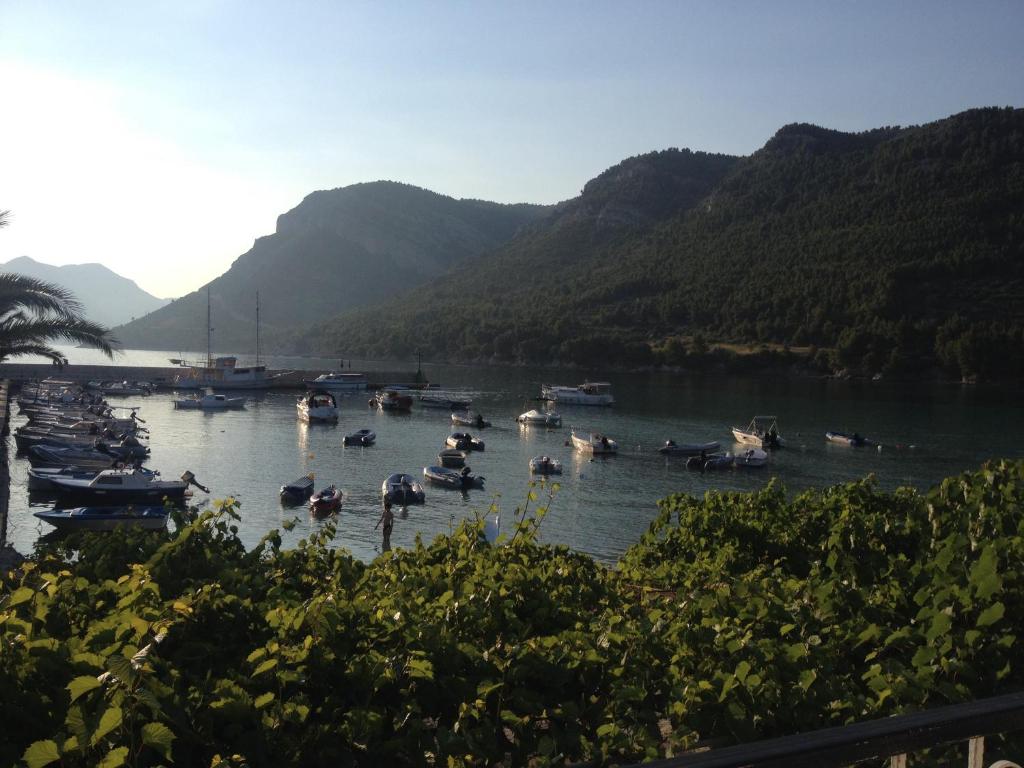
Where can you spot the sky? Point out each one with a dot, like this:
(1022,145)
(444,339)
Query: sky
(162,138)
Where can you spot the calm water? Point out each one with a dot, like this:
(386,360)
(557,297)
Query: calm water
(604,505)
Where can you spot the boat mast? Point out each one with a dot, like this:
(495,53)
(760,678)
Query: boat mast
(209,331)
(257,327)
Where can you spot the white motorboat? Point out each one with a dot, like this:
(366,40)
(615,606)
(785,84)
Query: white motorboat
(123,486)
(403,489)
(209,402)
(594,442)
(762,432)
(105,518)
(540,418)
(318,406)
(338,382)
(392,400)
(470,420)
(545,465)
(750,457)
(587,393)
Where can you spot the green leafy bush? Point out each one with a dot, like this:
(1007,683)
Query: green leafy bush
(738,616)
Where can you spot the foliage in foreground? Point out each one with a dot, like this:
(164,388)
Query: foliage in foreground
(735,617)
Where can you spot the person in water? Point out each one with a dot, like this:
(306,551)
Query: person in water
(388,519)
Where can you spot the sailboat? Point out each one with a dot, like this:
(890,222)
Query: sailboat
(224,372)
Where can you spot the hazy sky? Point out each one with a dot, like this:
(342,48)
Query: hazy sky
(162,138)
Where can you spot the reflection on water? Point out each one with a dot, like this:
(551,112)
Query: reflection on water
(604,504)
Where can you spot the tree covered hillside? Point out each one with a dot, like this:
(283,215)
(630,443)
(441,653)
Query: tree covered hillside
(897,247)
(338,249)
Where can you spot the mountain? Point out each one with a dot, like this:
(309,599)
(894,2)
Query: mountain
(338,249)
(898,248)
(107,297)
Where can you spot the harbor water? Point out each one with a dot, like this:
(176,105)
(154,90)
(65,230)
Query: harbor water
(926,431)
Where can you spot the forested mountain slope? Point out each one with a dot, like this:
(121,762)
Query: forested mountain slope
(338,249)
(899,247)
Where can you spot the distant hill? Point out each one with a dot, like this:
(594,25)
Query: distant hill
(338,249)
(107,297)
(900,248)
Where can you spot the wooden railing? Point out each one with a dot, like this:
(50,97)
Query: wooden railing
(893,738)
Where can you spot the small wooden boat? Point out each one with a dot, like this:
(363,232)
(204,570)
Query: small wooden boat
(452,458)
(855,440)
(750,458)
(762,432)
(362,437)
(540,418)
(594,442)
(326,502)
(105,518)
(449,478)
(402,489)
(297,491)
(545,465)
(672,448)
(470,420)
(463,441)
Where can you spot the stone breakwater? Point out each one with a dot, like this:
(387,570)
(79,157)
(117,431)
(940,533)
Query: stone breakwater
(157,375)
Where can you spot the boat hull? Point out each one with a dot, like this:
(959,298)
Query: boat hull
(105,519)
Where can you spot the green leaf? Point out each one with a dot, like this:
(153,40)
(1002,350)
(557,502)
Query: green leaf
(742,670)
(19,596)
(420,668)
(158,737)
(265,667)
(41,753)
(807,678)
(263,699)
(114,758)
(109,720)
(991,615)
(82,685)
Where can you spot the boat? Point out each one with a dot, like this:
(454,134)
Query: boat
(540,418)
(587,393)
(338,382)
(463,441)
(105,518)
(209,402)
(710,463)
(449,478)
(326,502)
(392,400)
(445,402)
(318,406)
(362,437)
(298,490)
(855,440)
(121,388)
(750,457)
(594,442)
(672,448)
(470,420)
(452,457)
(39,478)
(124,486)
(99,454)
(403,489)
(762,432)
(545,465)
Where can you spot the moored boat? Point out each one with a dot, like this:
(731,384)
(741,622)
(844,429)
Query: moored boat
(594,442)
(545,465)
(39,478)
(463,441)
(403,489)
(470,420)
(855,440)
(105,518)
(587,393)
(672,448)
(362,437)
(297,491)
(123,486)
(446,402)
(210,401)
(449,478)
(392,400)
(452,457)
(762,432)
(540,418)
(224,373)
(750,458)
(326,501)
(338,382)
(318,407)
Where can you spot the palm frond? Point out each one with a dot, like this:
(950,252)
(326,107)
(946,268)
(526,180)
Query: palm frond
(20,350)
(37,295)
(17,330)
(4,221)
